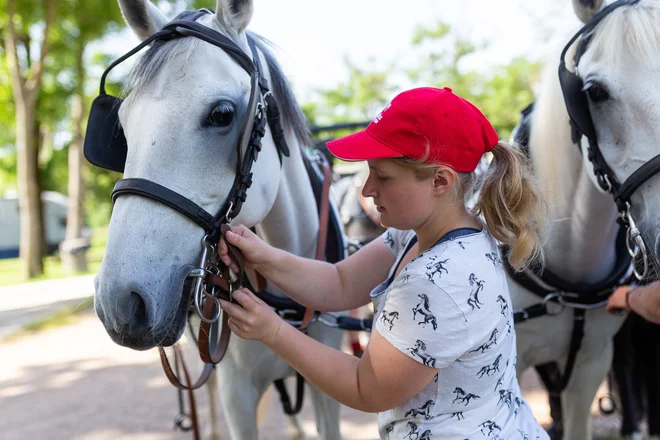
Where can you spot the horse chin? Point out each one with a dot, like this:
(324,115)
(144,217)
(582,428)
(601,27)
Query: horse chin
(177,327)
(173,332)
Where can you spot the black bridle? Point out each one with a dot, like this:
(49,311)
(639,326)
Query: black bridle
(577,105)
(253,128)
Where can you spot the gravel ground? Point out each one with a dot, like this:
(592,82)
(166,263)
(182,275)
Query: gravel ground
(73,383)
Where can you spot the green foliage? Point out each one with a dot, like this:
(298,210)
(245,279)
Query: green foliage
(440,55)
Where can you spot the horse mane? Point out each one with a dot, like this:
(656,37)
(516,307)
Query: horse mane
(160,52)
(556,159)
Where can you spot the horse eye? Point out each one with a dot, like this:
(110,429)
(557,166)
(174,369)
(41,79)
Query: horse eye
(221,116)
(597,92)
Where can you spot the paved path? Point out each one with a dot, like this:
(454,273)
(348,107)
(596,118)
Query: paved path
(22,304)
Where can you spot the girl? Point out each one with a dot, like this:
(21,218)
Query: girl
(441,359)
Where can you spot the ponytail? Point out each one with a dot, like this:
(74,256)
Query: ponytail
(511,206)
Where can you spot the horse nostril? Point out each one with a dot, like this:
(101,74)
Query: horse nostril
(138,320)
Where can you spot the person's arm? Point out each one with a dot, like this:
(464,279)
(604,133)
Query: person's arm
(316,284)
(643,300)
(382,379)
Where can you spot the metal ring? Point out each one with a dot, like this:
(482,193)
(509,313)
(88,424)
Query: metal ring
(217,314)
(641,246)
(549,297)
(227,217)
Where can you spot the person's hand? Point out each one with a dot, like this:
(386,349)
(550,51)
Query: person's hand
(253,318)
(255,250)
(617,301)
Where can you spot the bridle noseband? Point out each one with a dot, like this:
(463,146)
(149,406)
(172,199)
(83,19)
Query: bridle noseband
(577,105)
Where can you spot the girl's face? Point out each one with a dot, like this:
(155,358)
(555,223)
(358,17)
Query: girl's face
(403,200)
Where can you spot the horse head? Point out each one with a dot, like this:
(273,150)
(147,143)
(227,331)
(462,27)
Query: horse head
(184,117)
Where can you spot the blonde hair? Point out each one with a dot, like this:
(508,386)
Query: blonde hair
(509,202)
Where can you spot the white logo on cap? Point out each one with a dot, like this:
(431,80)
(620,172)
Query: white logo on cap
(379,116)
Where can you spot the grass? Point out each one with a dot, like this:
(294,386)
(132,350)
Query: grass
(65,316)
(10,269)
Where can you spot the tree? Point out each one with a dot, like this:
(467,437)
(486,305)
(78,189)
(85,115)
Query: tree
(500,94)
(83,22)
(26,76)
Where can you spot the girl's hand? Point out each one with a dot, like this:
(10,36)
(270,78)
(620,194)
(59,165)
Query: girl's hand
(617,301)
(255,251)
(253,319)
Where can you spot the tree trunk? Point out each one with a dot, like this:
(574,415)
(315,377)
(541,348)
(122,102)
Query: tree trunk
(73,249)
(25,90)
(29,197)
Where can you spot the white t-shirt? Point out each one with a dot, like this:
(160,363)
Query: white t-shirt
(450,309)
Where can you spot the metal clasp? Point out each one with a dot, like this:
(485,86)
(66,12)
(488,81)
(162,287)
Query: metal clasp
(635,244)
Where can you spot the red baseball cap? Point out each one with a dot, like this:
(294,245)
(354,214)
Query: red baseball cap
(419,121)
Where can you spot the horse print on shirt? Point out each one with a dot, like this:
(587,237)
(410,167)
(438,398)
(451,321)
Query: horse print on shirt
(389,429)
(494,258)
(423,309)
(420,351)
(459,415)
(473,300)
(500,381)
(490,369)
(523,435)
(463,397)
(504,306)
(389,317)
(436,267)
(424,410)
(460,243)
(486,345)
(505,397)
(405,278)
(519,402)
(389,241)
(426,435)
(414,431)
(492,427)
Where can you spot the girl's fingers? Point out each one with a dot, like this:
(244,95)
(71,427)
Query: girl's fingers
(246,299)
(234,310)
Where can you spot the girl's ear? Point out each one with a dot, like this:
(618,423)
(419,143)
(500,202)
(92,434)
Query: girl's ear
(443,179)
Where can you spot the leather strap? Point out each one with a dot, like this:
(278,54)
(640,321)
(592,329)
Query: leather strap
(324,213)
(191,393)
(284,395)
(203,377)
(212,350)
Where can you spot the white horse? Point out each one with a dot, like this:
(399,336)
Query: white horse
(151,248)
(620,69)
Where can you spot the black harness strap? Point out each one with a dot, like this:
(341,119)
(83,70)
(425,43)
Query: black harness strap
(284,395)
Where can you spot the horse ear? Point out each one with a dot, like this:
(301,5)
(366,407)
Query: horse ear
(142,16)
(586,9)
(235,14)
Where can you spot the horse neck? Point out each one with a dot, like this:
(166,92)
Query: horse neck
(292,223)
(582,233)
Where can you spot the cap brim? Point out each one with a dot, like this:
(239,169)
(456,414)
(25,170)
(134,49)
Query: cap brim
(360,146)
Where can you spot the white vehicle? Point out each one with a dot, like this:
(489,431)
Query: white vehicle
(55,207)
